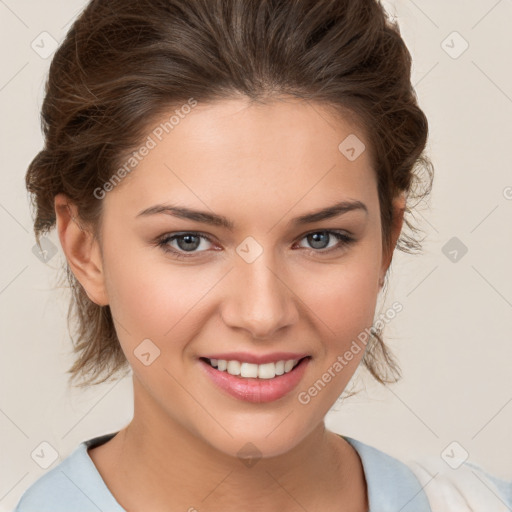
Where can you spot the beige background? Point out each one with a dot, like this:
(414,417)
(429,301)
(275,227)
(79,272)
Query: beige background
(453,337)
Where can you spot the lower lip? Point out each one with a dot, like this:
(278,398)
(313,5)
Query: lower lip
(253,389)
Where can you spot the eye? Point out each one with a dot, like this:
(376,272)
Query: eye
(186,242)
(319,240)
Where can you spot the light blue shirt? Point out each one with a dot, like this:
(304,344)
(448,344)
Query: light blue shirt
(76,485)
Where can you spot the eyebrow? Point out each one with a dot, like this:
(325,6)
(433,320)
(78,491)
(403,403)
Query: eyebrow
(219,220)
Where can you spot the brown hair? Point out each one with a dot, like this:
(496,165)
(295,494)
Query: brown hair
(124,63)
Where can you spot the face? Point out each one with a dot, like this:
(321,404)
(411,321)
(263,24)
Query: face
(255,278)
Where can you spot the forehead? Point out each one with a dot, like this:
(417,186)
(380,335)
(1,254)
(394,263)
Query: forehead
(232,155)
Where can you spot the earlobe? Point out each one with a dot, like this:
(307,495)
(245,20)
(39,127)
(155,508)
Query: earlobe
(81,249)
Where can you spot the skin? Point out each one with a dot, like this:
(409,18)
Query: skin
(181,446)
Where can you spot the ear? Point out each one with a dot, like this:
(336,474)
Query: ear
(81,249)
(396,228)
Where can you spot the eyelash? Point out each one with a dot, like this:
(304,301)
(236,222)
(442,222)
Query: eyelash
(344,239)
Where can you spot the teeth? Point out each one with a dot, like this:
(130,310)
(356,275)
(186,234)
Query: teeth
(267,371)
(288,365)
(248,370)
(280,368)
(233,367)
(261,371)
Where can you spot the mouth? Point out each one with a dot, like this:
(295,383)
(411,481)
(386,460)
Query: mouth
(247,370)
(255,382)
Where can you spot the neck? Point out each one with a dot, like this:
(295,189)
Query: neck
(155,461)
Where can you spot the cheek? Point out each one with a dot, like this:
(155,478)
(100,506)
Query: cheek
(147,297)
(343,307)
(353,305)
(151,298)
(342,298)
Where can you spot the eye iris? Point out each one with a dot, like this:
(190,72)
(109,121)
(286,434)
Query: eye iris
(186,246)
(316,238)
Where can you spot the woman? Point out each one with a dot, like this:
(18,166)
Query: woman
(229,180)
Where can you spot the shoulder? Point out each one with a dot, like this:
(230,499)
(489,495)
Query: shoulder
(465,486)
(74,484)
(391,484)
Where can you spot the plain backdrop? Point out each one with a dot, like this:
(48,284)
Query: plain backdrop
(453,338)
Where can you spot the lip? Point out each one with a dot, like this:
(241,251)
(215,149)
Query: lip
(253,389)
(256,358)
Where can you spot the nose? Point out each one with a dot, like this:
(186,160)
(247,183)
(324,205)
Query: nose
(258,299)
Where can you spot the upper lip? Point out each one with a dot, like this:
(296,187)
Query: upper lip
(257,358)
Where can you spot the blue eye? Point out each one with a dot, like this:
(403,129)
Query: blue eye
(189,242)
(318,238)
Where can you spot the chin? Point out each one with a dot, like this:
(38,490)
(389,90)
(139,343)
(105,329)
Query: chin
(255,442)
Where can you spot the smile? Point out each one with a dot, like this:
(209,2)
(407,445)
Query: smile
(248,370)
(253,382)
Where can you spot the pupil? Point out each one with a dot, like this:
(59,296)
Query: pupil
(187,239)
(318,238)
